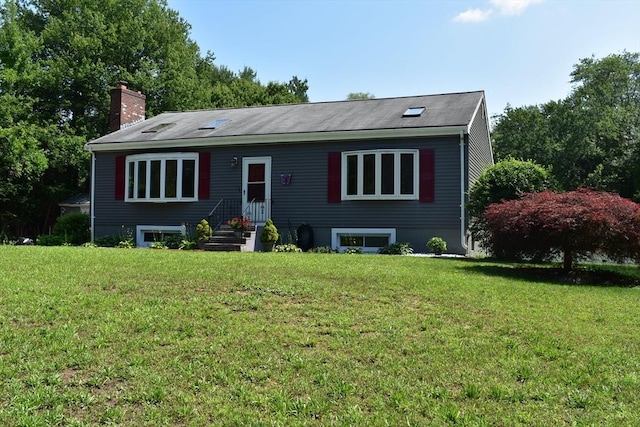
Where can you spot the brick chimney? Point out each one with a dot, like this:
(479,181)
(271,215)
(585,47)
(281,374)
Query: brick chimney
(127,107)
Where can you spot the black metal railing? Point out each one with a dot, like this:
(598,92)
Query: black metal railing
(225,209)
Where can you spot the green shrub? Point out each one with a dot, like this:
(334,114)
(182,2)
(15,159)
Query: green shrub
(322,250)
(127,243)
(287,247)
(158,245)
(73,227)
(173,240)
(187,244)
(398,248)
(507,180)
(50,240)
(203,230)
(351,251)
(6,240)
(269,233)
(437,245)
(108,241)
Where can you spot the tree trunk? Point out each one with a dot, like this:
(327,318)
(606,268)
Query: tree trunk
(567,261)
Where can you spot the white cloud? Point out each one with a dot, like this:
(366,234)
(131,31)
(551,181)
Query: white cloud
(473,15)
(503,7)
(513,7)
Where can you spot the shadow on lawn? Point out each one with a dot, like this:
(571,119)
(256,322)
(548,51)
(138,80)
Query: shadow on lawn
(584,276)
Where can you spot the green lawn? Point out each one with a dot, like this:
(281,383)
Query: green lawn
(93,336)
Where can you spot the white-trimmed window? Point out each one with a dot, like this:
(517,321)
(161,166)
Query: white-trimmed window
(162,177)
(380,175)
(148,234)
(367,239)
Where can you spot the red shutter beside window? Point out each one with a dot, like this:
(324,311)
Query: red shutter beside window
(333,181)
(204,178)
(427,175)
(120,175)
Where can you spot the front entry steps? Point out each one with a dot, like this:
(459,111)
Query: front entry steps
(224,239)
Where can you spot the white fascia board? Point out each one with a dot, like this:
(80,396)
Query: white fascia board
(475,113)
(279,138)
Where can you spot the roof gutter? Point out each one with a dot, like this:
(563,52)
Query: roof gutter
(275,138)
(92,206)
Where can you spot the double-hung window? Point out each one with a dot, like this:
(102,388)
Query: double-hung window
(162,177)
(380,175)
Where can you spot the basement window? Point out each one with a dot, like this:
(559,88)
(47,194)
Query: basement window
(215,124)
(148,234)
(413,112)
(367,239)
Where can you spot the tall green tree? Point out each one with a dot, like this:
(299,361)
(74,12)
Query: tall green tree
(590,138)
(58,61)
(243,89)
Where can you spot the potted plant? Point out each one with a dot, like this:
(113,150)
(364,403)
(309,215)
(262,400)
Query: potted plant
(269,235)
(239,224)
(437,245)
(203,232)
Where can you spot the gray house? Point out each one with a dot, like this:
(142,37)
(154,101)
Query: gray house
(349,173)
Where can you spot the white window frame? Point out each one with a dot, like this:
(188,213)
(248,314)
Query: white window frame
(336,233)
(378,175)
(160,229)
(136,159)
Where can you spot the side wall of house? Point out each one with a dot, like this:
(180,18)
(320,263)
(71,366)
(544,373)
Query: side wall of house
(480,157)
(480,152)
(305,198)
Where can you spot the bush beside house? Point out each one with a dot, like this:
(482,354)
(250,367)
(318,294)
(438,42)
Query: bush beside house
(72,229)
(269,235)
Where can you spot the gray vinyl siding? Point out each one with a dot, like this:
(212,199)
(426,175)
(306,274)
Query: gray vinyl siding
(480,152)
(304,200)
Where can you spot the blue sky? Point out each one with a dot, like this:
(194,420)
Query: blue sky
(519,52)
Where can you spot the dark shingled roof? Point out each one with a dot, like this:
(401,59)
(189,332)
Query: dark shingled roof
(78,199)
(444,110)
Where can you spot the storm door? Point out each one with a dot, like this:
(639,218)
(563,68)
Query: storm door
(256,188)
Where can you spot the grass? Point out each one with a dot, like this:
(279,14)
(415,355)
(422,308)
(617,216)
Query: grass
(93,336)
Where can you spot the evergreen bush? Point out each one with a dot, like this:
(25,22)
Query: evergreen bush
(269,233)
(73,228)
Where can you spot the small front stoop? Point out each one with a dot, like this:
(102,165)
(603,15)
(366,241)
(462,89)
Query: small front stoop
(225,240)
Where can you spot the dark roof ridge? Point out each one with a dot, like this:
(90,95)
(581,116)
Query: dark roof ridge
(324,102)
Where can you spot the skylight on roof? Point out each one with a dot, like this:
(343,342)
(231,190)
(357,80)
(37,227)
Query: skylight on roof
(215,124)
(158,128)
(413,112)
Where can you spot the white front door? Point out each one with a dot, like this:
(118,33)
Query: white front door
(256,188)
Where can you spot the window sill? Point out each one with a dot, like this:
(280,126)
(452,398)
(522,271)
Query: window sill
(406,197)
(162,201)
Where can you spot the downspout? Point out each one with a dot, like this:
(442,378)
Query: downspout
(92,205)
(463,233)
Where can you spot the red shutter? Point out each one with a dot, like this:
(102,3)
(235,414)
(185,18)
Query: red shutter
(120,174)
(427,175)
(333,180)
(204,178)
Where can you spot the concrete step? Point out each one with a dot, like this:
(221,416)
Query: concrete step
(226,240)
(222,247)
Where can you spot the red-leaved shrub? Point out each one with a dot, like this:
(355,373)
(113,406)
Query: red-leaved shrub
(573,224)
